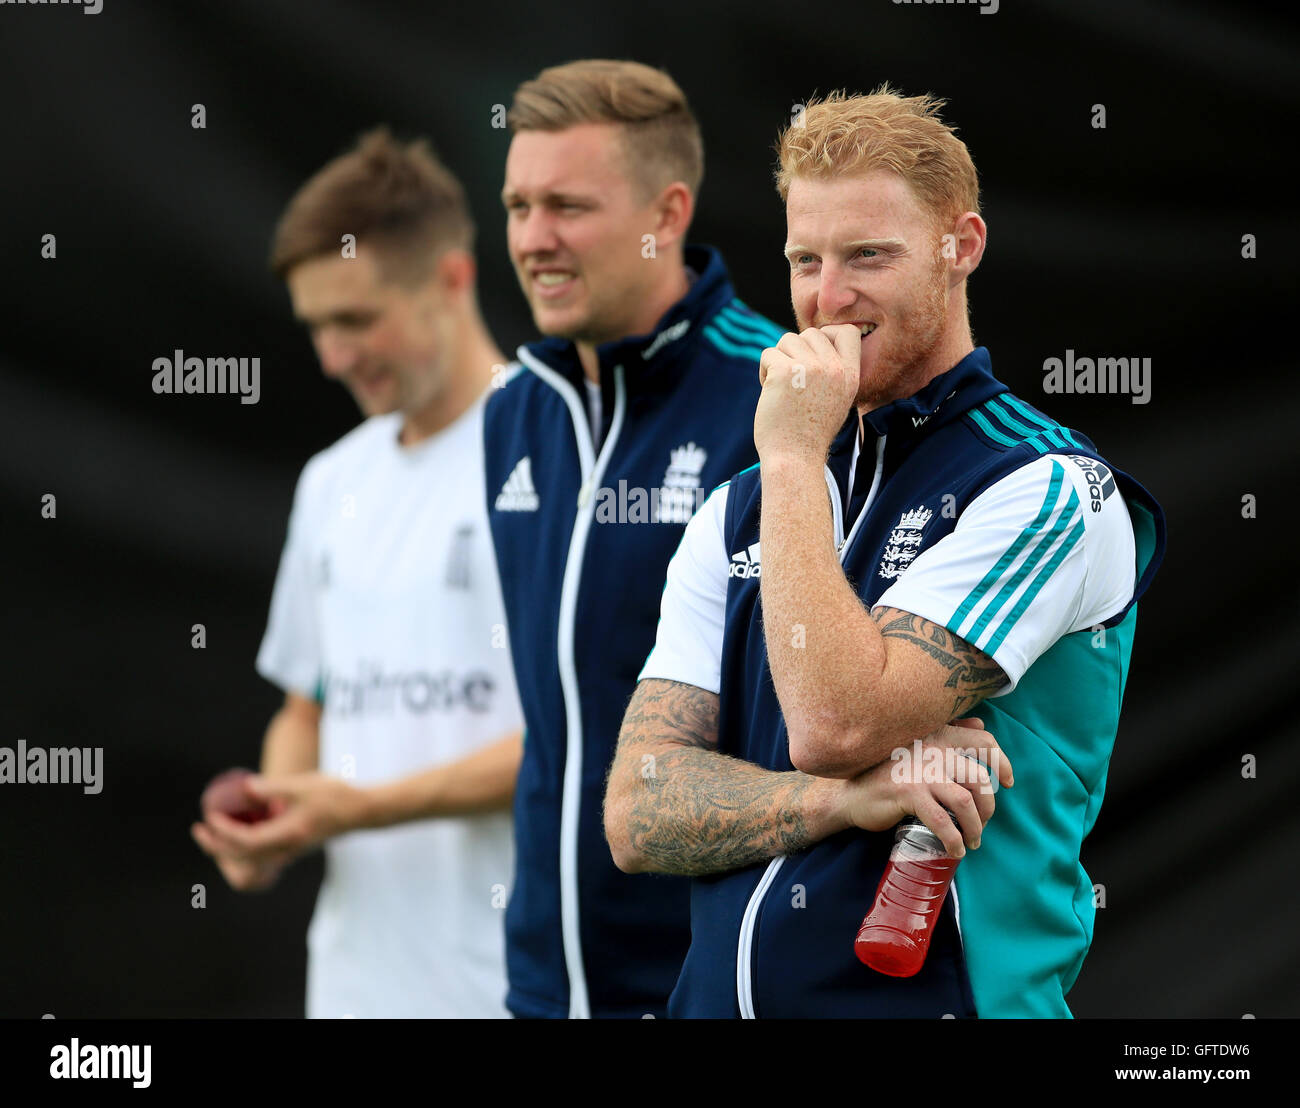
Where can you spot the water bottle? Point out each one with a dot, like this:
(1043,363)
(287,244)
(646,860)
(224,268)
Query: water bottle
(895,935)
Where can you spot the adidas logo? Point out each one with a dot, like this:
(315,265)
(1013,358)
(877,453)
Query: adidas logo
(745,564)
(518,493)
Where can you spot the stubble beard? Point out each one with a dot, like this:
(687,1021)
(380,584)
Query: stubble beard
(593,327)
(901,368)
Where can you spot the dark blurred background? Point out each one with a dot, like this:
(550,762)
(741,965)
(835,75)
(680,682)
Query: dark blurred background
(1125,241)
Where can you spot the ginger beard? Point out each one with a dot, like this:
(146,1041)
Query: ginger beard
(894,355)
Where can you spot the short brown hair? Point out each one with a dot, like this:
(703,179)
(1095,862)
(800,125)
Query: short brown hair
(844,134)
(396,197)
(663,142)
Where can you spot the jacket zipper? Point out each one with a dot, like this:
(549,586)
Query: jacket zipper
(592,467)
(749,921)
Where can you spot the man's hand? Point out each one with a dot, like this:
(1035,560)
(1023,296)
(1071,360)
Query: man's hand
(810,381)
(955,739)
(242,872)
(312,807)
(943,780)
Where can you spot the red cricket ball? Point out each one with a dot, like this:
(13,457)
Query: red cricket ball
(226,794)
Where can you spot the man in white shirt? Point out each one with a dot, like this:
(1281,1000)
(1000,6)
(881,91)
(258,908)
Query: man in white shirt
(399,740)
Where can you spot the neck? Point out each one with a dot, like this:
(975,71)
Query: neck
(653,307)
(468,375)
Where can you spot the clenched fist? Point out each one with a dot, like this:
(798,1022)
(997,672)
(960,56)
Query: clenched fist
(810,381)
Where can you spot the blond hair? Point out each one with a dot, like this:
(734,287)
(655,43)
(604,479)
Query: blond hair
(844,134)
(661,136)
(397,197)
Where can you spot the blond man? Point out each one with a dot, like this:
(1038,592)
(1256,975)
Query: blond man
(599,450)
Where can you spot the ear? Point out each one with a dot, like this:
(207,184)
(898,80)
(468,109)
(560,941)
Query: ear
(455,273)
(963,247)
(674,208)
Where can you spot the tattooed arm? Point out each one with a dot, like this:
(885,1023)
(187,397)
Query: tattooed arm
(853,685)
(971,675)
(675,804)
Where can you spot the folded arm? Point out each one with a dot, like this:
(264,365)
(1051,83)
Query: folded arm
(675,804)
(855,685)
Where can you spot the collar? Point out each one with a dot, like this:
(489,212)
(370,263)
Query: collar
(652,361)
(949,396)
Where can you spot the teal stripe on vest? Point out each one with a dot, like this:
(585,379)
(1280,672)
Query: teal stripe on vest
(1049,440)
(1041,443)
(1044,575)
(1024,434)
(733,328)
(989,429)
(770,332)
(1004,563)
(1042,421)
(1008,421)
(1027,412)
(756,326)
(751,353)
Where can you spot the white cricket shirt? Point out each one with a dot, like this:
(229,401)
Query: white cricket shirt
(387,609)
(1094,580)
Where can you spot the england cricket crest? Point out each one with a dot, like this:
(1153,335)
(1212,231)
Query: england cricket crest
(904,542)
(681,495)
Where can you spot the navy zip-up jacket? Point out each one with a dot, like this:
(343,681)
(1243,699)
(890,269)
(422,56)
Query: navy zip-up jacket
(584,527)
(776,939)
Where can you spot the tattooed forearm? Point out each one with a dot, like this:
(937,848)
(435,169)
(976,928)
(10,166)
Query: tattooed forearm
(667,708)
(685,808)
(702,812)
(973,675)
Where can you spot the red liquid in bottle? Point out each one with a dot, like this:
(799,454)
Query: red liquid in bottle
(895,936)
